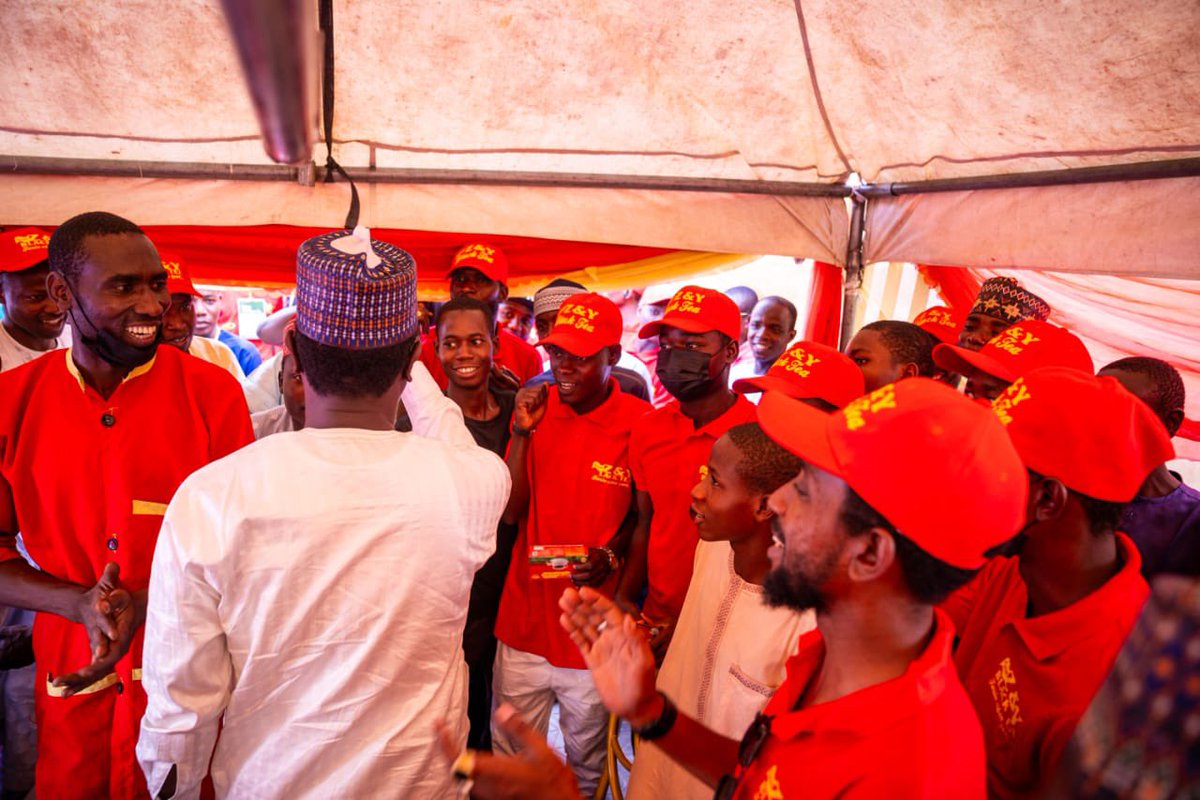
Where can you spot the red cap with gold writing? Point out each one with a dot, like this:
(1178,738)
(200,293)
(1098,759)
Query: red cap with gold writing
(942,321)
(938,466)
(487,258)
(698,310)
(809,370)
(1017,351)
(1090,433)
(178,279)
(586,324)
(22,248)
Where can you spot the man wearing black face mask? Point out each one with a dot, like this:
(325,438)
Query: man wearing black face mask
(669,447)
(94,441)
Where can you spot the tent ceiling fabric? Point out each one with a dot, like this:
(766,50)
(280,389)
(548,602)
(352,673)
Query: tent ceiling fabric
(773,91)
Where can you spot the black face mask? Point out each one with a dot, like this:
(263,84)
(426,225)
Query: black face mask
(684,373)
(110,348)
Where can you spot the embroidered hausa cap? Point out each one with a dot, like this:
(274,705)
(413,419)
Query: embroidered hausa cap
(487,258)
(1017,351)
(23,248)
(355,292)
(585,325)
(698,310)
(939,467)
(551,296)
(1090,433)
(1005,299)
(941,321)
(178,279)
(807,370)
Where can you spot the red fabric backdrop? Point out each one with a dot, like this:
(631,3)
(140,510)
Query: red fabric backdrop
(825,305)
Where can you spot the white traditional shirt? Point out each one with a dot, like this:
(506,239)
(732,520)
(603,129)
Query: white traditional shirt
(313,587)
(727,657)
(261,387)
(218,353)
(273,420)
(13,354)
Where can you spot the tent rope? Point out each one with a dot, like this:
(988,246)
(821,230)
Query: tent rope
(327,104)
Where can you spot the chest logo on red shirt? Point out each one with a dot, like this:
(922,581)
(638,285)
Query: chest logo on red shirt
(1004,694)
(770,789)
(607,473)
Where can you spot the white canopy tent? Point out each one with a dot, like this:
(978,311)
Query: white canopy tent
(721,125)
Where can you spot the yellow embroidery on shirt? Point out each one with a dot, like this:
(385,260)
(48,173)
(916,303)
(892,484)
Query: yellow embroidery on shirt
(769,789)
(149,508)
(856,413)
(609,474)
(1008,701)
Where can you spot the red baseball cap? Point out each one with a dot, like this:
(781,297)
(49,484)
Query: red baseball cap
(586,324)
(942,321)
(22,248)
(698,310)
(178,280)
(1016,351)
(1090,433)
(487,258)
(936,465)
(807,370)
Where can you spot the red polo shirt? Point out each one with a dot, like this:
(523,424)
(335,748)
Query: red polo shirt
(580,493)
(86,480)
(516,354)
(1031,679)
(667,451)
(914,736)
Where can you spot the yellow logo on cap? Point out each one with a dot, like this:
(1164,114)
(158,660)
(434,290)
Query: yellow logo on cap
(1014,340)
(686,302)
(938,317)
(1016,393)
(856,413)
(609,474)
(479,251)
(174,271)
(577,316)
(797,361)
(32,241)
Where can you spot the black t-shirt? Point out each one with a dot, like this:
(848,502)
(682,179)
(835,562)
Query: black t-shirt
(493,434)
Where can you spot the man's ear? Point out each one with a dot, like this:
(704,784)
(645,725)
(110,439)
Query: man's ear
(1049,497)
(614,354)
(414,357)
(910,370)
(59,290)
(871,554)
(762,511)
(1174,420)
(731,351)
(503,292)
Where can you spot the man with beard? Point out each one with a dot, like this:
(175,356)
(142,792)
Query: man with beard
(571,485)
(901,495)
(94,441)
(33,323)
(1001,302)
(697,339)
(772,327)
(1038,633)
(481,271)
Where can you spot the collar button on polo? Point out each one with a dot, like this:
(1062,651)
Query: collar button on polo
(107,419)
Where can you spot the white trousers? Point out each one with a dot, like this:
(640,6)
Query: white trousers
(531,684)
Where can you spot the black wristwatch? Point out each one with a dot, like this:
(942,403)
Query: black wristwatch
(661,726)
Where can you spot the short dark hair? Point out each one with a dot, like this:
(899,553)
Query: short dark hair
(764,466)
(930,579)
(908,343)
(745,298)
(788,306)
(66,253)
(464,303)
(336,371)
(1169,394)
(523,302)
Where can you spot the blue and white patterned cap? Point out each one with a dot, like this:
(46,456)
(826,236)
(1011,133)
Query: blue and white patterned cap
(355,292)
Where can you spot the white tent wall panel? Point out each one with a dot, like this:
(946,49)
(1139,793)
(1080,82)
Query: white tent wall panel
(1127,228)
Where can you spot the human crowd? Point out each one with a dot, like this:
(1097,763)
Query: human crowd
(387,560)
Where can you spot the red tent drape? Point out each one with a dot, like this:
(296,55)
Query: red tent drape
(825,305)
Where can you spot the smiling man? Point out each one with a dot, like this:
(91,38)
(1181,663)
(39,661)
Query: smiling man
(1001,303)
(572,485)
(771,328)
(93,443)
(33,323)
